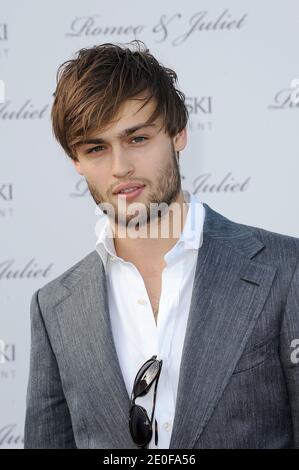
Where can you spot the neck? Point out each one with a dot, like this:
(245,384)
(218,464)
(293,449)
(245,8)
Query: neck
(154,248)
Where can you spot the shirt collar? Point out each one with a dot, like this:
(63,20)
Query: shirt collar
(190,238)
(192,234)
(105,242)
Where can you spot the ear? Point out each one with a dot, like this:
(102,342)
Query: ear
(78,166)
(180,140)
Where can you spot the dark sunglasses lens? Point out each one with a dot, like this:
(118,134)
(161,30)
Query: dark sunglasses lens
(145,378)
(140,426)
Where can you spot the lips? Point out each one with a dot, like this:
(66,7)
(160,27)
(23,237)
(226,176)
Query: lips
(123,186)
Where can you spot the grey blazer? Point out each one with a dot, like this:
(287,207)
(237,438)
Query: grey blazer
(239,382)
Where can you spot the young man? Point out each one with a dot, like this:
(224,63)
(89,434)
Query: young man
(179,341)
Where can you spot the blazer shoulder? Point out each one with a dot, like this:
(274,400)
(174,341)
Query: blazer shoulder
(283,244)
(252,240)
(279,246)
(56,290)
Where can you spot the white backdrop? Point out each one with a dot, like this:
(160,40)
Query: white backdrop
(235,62)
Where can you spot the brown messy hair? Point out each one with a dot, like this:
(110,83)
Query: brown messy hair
(92,87)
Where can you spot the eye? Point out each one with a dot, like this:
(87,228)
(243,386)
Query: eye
(139,137)
(95,148)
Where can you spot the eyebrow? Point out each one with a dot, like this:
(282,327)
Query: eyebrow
(124,133)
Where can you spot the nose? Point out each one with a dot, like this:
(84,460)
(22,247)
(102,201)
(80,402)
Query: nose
(122,165)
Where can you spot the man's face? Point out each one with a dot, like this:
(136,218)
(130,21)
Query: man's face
(147,156)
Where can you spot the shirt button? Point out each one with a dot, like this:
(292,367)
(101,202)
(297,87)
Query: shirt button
(142,301)
(167,426)
(112,258)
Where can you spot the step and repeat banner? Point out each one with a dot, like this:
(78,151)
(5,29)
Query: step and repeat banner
(237,63)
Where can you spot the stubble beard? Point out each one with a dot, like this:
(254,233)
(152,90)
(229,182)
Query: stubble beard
(166,191)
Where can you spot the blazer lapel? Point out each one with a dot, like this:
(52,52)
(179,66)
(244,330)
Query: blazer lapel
(86,331)
(229,292)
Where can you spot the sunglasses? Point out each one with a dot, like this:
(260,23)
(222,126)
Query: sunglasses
(139,423)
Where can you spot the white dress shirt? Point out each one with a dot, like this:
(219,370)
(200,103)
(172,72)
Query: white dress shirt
(136,335)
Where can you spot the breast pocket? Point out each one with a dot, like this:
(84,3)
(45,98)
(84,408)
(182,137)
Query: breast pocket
(256,356)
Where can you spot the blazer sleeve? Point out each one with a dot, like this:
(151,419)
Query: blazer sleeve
(289,350)
(47,422)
